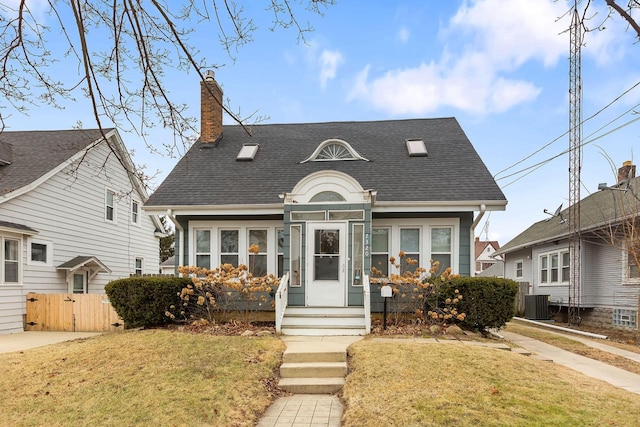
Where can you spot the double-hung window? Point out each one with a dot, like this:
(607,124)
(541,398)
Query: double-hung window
(229,246)
(257,258)
(139,266)
(10,260)
(519,266)
(554,267)
(110,206)
(380,250)
(203,248)
(441,247)
(410,246)
(135,212)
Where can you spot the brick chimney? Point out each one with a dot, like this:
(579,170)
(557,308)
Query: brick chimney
(627,171)
(210,109)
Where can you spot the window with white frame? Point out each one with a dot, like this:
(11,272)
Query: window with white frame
(410,247)
(380,250)
(554,267)
(203,248)
(39,252)
(229,247)
(295,256)
(139,266)
(10,260)
(135,212)
(280,251)
(79,283)
(257,260)
(633,255)
(519,267)
(110,205)
(442,247)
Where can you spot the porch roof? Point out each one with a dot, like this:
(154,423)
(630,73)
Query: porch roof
(91,262)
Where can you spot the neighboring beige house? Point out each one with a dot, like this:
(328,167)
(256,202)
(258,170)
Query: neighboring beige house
(71,217)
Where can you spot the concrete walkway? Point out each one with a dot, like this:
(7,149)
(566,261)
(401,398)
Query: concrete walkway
(21,341)
(308,409)
(592,368)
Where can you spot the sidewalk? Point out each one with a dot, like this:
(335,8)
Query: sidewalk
(592,368)
(21,341)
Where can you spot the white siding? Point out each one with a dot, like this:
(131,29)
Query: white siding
(512,258)
(68,210)
(559,294)
(12,309)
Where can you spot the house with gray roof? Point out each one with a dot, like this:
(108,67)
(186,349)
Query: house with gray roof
(326,202)
(609,287)
(71,217)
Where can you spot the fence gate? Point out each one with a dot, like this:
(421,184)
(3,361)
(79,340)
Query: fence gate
(71,313)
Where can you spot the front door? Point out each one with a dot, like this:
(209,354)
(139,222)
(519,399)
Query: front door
(326,264)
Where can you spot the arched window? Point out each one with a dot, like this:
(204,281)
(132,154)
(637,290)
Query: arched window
(332,150)
(327,196)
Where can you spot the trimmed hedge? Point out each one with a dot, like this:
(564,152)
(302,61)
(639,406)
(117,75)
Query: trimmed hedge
(488,302)
(143,301)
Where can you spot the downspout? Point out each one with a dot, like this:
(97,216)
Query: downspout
(472,255)
(175,222)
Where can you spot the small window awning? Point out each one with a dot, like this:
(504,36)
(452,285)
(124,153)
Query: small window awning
(17,228)
(90,262)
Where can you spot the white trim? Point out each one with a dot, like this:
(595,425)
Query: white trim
(515,265)
(547,254)
(334,141)
(327,180)
(48,244)
(19,262)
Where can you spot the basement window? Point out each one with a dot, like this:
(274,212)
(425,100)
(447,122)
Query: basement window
(247,152)
(416,148)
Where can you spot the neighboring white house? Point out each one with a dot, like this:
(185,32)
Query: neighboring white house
(609,288)
(326,202)
(71,217)
(484,250)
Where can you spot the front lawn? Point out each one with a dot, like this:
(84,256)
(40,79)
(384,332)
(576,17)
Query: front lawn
(446,384)
(152,377)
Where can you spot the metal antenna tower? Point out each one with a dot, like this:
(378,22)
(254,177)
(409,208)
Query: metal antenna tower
(575,164)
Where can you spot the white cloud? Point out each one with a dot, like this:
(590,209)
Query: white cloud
(403,35)
(329,63)
(484,41)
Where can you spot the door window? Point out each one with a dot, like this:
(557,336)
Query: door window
(327,254)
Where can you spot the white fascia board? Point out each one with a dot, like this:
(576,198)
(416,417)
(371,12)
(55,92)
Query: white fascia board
(262,209)
(441,206)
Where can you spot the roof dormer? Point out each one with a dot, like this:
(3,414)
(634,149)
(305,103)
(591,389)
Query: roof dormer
(334,150)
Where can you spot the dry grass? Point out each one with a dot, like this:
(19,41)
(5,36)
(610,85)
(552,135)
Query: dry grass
(565,342)
(154,377)
(416,384)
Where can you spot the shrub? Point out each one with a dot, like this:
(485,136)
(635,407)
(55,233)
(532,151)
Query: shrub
(488,301)
(209,293)
(143,301)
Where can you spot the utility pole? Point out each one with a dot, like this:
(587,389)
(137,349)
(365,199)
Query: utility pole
(575,164)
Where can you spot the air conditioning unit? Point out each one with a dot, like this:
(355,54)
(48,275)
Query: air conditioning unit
(536,307)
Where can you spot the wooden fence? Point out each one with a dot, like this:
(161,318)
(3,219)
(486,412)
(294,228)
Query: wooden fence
(71,313)
(523,290)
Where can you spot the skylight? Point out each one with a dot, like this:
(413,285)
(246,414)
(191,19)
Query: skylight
(416,148)
(247,152)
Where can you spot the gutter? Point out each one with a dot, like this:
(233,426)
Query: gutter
(472,238)
(179,227)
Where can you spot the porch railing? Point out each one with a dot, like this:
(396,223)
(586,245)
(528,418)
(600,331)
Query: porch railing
(366,290)
(282,300)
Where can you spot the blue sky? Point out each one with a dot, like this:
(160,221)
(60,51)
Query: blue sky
(500,67)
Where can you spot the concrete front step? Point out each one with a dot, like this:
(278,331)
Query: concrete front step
(325,310)
(311,385)
(323,330)
(313,370)
(311,356)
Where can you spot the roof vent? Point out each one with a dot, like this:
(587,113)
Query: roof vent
(416,148)
(247,152)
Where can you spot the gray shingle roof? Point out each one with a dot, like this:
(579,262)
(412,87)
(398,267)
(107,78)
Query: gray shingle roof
(34,153)
(597,210)
(453,171)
